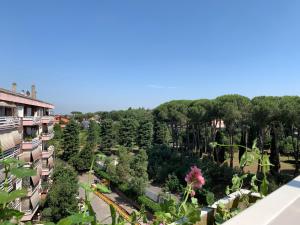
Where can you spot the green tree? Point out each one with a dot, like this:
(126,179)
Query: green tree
(127,132)
(58,133)
(61,200)
(232,109)
(107,134)
(93,134)
(82,162)
(123,169)
(145,134)
(139,172)
(70,138)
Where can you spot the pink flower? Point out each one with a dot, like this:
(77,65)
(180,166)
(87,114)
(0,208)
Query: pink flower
(195,178)
(193,193)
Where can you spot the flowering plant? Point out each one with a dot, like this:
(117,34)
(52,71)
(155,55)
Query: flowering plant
(183,212)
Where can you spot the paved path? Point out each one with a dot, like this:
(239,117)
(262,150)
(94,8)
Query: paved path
(100,207)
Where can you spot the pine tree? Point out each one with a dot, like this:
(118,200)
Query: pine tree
(83,161)
(70,143)
(139,172)
(127,132)
(145,134)
(61,200)
(107,134)
(93,134)
(123,170)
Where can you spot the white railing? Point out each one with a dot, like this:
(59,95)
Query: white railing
(48,135)
(10,182)
(34,119)
(10,153)
(9,122)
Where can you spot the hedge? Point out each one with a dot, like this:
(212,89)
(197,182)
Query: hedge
(149,203)
(100,173)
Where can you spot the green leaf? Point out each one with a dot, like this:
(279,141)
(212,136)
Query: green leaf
(86,187)
(77,218)
(210,198)
(16,194)
(113,215)
(264,186)
(23,172)
(213,144)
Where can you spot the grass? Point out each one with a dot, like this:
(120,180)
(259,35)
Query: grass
(286,163)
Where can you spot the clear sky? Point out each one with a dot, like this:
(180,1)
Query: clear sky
(106,54)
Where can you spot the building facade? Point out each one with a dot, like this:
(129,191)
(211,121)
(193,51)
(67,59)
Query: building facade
(26,127)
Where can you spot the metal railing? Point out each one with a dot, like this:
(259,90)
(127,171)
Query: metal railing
(10,153)
(10,182)
(9,122)
(34,119)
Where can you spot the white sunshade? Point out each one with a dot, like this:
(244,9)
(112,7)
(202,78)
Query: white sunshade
(7,105)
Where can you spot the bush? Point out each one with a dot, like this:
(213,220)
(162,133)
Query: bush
(149,203)
(99,173)
(103,189)
(172,184)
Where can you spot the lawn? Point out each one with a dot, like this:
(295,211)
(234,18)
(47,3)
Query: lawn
(286,163)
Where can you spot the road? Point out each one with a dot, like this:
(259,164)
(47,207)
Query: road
(100,207)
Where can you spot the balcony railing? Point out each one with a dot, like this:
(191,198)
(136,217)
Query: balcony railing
(9,122)
(10,181)
(31,120)
(15,204)
(31,144)
(47,119)
(47,136)
(49,152)
(10,153)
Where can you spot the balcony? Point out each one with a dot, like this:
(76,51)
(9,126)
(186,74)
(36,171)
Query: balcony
(280,207)
(10,184)
(10,153)
(29,211)
(47,171)
(47,136)
(48,153)
(27,145)
(31,120)
(9,122)
(47,119)
(47,167)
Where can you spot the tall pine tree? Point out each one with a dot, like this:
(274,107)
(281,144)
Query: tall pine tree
(145,134)
(70,138)
(93,134)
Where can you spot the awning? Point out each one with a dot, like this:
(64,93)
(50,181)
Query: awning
(39,170)
(17,137)
(25,156)
(8,105)
(37,153)
(7,140)
(35,198)
(36,179)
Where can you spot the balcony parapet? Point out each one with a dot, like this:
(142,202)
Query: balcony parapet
(10,153)
(10,182)
(27,145)
(47,136)
(49,152)
(9,122)
(31,120)
(48,119)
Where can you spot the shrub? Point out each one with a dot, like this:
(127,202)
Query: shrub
(172,183)
(149,203)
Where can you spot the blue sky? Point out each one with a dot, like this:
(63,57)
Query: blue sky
(104,55)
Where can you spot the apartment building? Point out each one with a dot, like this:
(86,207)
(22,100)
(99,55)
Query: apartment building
(26,127)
